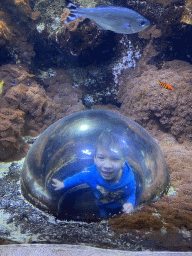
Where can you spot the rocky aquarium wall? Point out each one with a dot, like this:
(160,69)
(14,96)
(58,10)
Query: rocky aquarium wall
(50,69)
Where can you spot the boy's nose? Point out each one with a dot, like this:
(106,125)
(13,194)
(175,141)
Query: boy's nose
(107,163)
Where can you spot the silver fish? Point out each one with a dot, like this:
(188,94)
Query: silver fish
(117,19)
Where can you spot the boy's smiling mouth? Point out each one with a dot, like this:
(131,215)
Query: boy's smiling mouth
(106,173)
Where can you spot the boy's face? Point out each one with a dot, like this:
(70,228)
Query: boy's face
(109,163)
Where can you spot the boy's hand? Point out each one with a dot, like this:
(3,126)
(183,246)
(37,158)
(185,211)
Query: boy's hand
(57,184)
(128,208)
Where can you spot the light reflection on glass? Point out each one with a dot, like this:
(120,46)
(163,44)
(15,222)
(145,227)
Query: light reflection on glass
(86,151)
(84,127)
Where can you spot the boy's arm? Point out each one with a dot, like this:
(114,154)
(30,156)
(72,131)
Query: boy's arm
(131,187)
(131,192)
(82,177)
(131,198)
(128,207)
(57,184)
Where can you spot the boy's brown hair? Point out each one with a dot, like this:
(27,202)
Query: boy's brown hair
(108,140)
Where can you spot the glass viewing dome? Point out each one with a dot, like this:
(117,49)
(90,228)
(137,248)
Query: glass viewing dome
(67,148)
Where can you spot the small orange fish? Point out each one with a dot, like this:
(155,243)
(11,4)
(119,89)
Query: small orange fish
(166,86)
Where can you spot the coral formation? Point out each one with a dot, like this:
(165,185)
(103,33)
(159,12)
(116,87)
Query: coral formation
(14,74)
(149,104)
(78,35)
(11,129)
(15,37)
(66,98)
(22,94)
(33,101)
(23,108)
(150,32)
(187,14)
(169,20)
(163,2)
(24,8)
(6,33)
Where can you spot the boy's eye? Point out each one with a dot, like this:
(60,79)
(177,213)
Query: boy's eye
(115,159)
(100,157)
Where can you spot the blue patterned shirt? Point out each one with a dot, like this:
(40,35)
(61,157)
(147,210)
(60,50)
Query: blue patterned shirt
(110,196)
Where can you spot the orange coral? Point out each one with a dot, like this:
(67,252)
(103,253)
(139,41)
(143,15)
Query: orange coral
(64,16)
(5,32)
(187,14)
(23,6)
(18,39)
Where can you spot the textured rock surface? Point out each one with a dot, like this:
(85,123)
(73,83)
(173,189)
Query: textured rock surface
(66,98)
(27,109)
(21,92)
(14,35)
(149,104)
(11,129)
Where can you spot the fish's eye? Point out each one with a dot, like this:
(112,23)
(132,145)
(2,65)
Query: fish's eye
(127,25)
(142,23)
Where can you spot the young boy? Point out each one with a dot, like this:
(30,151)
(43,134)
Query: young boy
(110,178)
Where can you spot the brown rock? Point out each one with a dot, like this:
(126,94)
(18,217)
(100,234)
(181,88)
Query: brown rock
(6,29)
(16,36)
(67,99)
(23,6)
(11,127)
(172,210)
(39,108)
(149,104)
(163,2)
(33,101)
(13,75)
(79,35)
(150,32)
(35,15)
